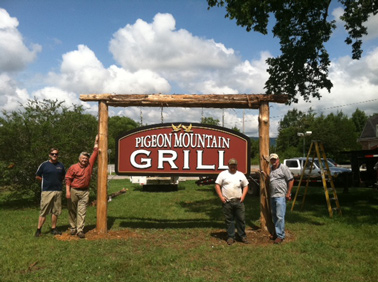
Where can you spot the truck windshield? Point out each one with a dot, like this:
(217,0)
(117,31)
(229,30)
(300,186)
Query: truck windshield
(323,163)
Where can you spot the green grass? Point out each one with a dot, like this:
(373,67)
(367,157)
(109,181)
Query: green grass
(176,238)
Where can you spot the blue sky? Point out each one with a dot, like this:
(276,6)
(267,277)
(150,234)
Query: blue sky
(61,49)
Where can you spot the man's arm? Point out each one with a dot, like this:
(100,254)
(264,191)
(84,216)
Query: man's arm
(93,157)
(289,187)
(69,177)
(68,191)
(245,191)
(219,192)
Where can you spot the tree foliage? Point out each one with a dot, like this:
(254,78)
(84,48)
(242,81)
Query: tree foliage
(359,119)
(303,27)
(117,126)
(210,121)
(27,135)
(337,132)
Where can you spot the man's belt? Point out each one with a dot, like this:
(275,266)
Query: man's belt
(234,200)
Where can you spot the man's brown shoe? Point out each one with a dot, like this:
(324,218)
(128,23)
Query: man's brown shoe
(278,240)
(272,237)
(230,241)
(81,235)
(244,240)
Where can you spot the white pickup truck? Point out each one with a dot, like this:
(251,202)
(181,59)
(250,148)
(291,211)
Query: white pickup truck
(340,175)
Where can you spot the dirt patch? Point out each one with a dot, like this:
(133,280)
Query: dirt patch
(255,237)
(94,235)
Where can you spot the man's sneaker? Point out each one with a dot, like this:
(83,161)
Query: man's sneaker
(230,241)
(81,235)
(54,232)
(38,233)
(244,240)
(72,232)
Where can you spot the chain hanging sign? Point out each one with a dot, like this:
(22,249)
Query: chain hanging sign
(181,149)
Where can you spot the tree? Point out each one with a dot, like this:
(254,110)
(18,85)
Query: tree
(210,121)
(359,119)
(235,128)
(337,132)
(117,126)
(303,28)
(27,135)
(294,122)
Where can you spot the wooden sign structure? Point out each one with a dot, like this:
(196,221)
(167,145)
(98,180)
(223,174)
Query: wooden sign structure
(236,101)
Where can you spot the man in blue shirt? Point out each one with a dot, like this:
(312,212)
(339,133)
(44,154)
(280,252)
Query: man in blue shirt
(51,174)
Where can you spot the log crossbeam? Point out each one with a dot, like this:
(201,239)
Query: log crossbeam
(237,101)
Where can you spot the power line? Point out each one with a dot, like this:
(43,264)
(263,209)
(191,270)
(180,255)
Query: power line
(339,106)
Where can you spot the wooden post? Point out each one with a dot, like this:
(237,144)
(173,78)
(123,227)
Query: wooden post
(102,181)
(265,212)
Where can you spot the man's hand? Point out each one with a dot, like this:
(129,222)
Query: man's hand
(288,196)
(68,191)
(96,141)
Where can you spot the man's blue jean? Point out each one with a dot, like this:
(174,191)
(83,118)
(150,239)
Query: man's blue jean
(234,213)
(278,214)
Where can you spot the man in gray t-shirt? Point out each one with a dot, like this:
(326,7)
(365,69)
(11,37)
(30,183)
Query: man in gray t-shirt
(280,184)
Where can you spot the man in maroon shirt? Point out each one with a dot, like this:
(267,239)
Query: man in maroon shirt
(78,178)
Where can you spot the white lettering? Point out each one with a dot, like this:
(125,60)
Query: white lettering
(186,159)
(221,160)
(170,160)
(201,140)
(145,163)
(178,141)
(226,142)
(200,165)
(137,142)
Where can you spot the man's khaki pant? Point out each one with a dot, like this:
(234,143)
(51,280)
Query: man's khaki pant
(77,208)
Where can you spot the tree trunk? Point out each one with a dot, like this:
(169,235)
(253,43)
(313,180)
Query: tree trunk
(102,181)
(265,212)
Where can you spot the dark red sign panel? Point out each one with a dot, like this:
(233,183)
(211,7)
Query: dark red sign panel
(181,149)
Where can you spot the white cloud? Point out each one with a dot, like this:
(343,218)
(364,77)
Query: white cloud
(82,72)
(10,94)
(159,47)
(54,93)
(14,55)
(371,23)
(195,64)
(355,85)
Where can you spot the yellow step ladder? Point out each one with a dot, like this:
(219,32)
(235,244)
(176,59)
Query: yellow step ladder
(319,152)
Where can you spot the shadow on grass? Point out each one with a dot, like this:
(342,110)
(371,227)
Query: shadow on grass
(359,206)
(17,203)
(12,202)
(154,223)
(211,208)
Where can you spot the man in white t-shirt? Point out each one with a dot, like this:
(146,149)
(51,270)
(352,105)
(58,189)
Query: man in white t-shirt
(232,187)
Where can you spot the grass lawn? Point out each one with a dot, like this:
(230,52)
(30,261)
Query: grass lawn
(178,236)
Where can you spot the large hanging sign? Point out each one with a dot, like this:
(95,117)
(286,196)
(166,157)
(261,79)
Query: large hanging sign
(181,149)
